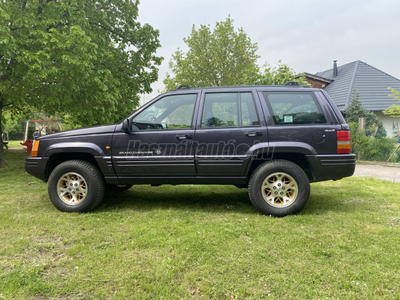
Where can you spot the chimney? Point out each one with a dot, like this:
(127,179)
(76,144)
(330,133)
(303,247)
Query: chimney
(335,69)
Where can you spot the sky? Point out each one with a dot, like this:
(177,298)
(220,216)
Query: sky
(307,35)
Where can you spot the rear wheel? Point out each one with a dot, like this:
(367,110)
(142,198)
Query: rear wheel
(76,186)
(279,188)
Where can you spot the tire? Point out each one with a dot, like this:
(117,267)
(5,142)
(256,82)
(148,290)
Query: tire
(76,186)
(279,188)
(118,187)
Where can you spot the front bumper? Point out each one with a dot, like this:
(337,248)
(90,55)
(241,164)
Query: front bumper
(36,166)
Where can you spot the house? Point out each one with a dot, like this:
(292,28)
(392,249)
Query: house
(371,84)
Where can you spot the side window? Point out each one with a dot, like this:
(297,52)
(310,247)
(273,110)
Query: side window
(170,112)
(248,109)
(220,110)
(294,108)
(229,110)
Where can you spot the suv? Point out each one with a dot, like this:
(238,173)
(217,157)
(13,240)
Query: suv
(273,140)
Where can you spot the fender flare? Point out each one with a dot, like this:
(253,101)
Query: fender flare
(280,147)
(77,147)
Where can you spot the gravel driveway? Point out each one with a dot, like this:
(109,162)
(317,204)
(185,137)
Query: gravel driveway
(389,172)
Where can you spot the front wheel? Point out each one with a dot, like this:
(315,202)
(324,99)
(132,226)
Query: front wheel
(76,186)
(279,188)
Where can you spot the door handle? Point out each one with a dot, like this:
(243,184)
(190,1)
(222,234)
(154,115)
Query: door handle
(183,136)
(253,133)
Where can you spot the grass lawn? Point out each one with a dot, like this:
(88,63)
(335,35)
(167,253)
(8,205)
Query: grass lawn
(199,242)
(15,144)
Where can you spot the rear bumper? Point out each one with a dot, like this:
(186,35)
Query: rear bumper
(332,167)
(36,166)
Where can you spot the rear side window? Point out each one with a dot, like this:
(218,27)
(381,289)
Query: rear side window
(229,110)
(294,108)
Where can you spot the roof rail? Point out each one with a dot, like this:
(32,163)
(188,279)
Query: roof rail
(184,86)
(292,83)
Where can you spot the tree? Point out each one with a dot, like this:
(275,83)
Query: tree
(214,58)
(355,111)
(394,110)
(88,59)
(273,76)
(13,124)
(359,141)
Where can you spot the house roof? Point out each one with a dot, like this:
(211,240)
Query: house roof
(371,84)
(315,77)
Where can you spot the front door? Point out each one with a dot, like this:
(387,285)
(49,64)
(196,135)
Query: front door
(160,142)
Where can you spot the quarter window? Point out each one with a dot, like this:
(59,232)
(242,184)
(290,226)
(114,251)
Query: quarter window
(294,108)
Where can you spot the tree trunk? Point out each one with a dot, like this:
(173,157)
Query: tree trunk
(2,161)
(398,146)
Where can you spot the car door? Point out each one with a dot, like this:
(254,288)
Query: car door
(229,125)
(160,140)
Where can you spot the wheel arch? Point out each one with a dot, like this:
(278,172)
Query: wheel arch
(58,158)
(297,158)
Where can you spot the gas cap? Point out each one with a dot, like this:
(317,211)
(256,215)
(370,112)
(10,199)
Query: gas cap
(318,136)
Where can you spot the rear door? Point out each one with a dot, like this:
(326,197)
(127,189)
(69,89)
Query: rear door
(229,124)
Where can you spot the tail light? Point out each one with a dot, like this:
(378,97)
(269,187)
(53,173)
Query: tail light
(343,142)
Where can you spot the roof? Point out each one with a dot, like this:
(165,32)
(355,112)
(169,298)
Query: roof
(315,77)
(371,84)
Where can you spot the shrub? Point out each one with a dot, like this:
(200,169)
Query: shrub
(379,149)
(369,148)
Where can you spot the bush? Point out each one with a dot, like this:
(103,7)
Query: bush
(379,149)
(372,149)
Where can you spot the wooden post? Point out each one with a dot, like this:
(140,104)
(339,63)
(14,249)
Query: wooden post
(393,152)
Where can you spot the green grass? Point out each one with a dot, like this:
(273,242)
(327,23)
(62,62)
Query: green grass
(15,144)
(199,242)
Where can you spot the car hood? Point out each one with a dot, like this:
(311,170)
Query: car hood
(81,132)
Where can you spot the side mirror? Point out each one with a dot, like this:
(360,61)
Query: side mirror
(126,125)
